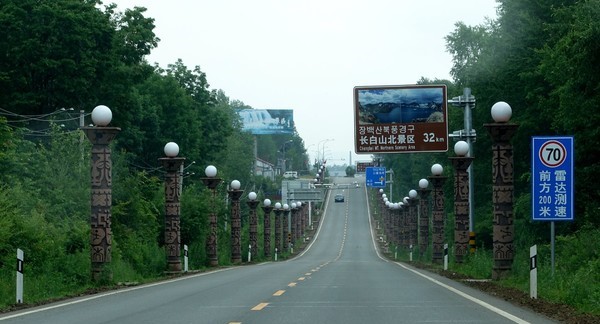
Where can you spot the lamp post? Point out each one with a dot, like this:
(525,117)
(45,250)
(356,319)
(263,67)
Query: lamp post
(461,163)
(400,213)
(423,216)
(211,181)
(278,211)
(286,227)
(253,223)
(267,208)
(100,136)
(405,223)
(301,218)
(385,216)
(396,212)
(438,213)
(412,217)
(172,163)
(502,132)
(293,223)
(236,222)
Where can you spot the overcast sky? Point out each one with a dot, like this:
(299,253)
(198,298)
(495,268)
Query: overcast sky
(308,55)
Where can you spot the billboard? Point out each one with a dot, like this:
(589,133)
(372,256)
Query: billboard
(400,119)
(362,166)
(267,121)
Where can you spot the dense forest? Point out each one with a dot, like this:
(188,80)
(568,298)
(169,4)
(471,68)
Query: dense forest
(61,58)
(541,57)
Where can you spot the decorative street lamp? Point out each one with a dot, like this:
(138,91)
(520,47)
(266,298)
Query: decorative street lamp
(396,222)
(211,181)
(405,223)
(100,136)
(278,211)
(423,216)
(301,221)
(461,163)
(293,223)
(286,227)
(503,188)
(438,213)
(412,218)
(236,222)
(401,230)
(172,163)
(253,223)
(267,208)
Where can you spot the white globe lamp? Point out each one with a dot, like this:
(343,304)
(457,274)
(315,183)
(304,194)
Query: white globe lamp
(171,149)
(501,112)
(210,171)
(461,148)
(437,169)
(101,115)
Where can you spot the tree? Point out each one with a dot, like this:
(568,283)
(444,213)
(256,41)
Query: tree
(350,171)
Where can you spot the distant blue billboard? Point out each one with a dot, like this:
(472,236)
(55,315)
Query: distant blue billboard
(267,121)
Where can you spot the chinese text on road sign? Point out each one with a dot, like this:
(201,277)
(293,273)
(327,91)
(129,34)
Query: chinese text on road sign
(552,175)
(375,177)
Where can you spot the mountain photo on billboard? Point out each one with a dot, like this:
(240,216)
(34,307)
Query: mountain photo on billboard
(400,105)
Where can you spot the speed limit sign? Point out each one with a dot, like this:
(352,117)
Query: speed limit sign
(552,153)
(552,189)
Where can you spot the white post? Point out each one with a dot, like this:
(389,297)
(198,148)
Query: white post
(249,253)
(275,254)
(185,258)
(20,260)
(396,253)
(411,250)
(533,272)
(445,256)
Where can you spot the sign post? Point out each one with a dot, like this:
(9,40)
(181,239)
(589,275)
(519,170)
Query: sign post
(552,189)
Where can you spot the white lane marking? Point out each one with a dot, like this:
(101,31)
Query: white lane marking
(452,289)
(467,296)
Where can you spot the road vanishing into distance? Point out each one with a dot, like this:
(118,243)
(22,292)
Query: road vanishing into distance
(339,278)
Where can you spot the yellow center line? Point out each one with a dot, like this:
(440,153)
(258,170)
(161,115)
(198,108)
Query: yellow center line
(279,293)
(260,306)
(292,284)
(301,278)
(307,274)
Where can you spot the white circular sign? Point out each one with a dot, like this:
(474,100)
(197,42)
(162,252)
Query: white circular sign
(552,153)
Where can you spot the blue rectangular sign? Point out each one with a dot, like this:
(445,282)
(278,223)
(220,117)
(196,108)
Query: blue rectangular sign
(375,177)
(552,190)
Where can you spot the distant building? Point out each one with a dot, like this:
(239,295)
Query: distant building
(265,169)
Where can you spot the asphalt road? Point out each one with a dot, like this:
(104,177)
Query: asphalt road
(340,278)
